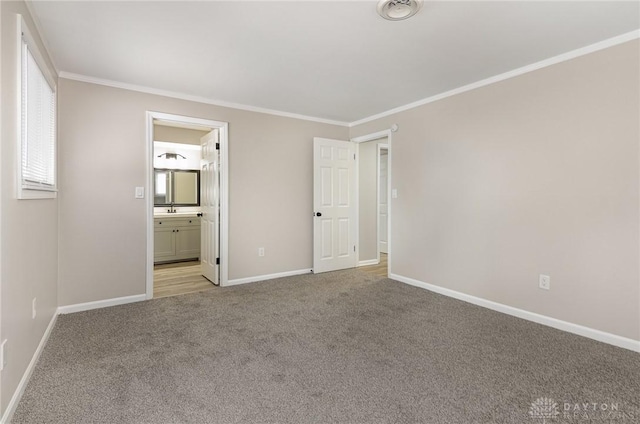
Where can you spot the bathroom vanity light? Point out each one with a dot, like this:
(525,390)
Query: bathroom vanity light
(173,156)
(398,10)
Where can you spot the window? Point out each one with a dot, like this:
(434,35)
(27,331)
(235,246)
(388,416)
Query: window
(37,144)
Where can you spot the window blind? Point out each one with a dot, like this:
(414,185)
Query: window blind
(38,127)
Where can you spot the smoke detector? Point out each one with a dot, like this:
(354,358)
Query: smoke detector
(398,10)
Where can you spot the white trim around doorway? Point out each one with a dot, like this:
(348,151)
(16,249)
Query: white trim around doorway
(380,148)
(223,127)
(362,139)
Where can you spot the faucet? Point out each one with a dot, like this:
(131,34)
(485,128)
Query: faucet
(173,209)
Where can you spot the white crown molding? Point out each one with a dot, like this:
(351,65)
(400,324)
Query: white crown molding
(507,75)
(614,41)
(192,98)
(569,327)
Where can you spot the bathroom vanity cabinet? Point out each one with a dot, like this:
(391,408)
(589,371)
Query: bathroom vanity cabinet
(176,238)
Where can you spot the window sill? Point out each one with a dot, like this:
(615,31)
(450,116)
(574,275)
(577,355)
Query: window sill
(24,194)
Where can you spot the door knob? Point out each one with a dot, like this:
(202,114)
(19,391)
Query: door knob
(318,214)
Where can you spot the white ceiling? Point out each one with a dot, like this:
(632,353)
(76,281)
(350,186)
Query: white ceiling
(335,60)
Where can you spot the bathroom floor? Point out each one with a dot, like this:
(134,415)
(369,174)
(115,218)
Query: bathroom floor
(379,270)
(184,277)
(179,278)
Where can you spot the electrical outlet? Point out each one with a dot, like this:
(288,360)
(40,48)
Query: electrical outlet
(260,251)
(544,282)
(3,355)
(33,308)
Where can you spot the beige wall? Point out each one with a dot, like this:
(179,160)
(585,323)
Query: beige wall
(177,135)
(368,199)
(102,226)
(535,174)
(29,229)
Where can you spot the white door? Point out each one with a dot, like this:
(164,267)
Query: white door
(334,204)
(383,229)
(209,206)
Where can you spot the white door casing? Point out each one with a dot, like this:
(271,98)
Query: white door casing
(154,118)
(388,134)
(383,206)
(335,205)
(209,207)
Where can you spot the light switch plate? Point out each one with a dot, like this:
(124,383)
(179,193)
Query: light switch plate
(139,192)
(394,193)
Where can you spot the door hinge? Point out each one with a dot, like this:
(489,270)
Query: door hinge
(217,146)
(217,261)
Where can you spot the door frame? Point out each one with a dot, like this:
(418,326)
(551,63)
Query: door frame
(223,127)
(362,139)
(380,147)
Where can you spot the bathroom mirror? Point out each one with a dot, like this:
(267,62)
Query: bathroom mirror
(177,186)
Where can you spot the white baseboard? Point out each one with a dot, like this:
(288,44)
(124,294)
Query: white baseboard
(79,307)
(368,262)
(266,277)
(17,395)
(569,327)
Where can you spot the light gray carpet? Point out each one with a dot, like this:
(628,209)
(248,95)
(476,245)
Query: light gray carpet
(342,347)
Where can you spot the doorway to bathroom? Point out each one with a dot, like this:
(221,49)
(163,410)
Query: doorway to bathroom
(187,223)
(374,195)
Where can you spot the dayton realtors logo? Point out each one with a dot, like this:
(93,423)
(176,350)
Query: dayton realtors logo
(571,412)
(595,411)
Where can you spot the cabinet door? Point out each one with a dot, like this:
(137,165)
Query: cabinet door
(188,242)
(164,244)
